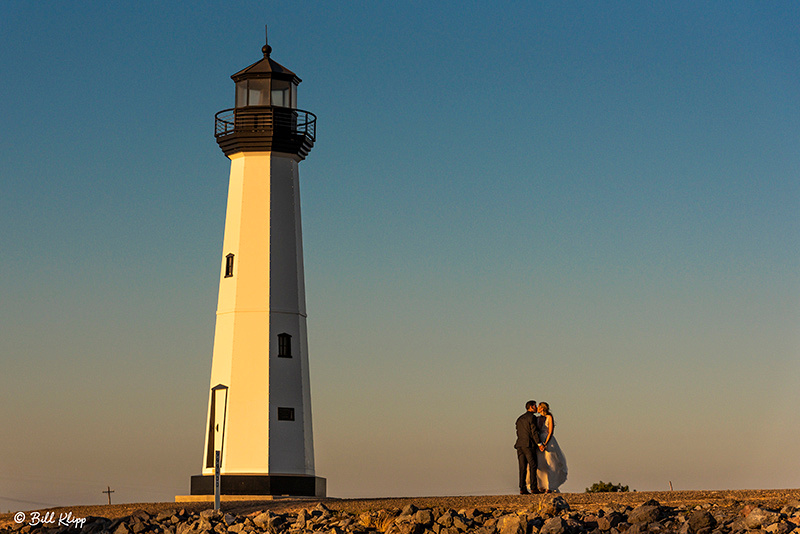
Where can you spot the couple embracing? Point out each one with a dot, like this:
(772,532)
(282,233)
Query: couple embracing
(541,462)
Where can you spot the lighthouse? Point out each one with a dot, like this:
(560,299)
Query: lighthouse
(258,429)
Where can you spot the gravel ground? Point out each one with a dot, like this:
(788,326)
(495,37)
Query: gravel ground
(578,501)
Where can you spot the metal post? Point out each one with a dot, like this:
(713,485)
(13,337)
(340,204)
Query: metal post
(216,480)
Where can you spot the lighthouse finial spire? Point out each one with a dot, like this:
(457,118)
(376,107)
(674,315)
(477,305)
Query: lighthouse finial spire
(266,49)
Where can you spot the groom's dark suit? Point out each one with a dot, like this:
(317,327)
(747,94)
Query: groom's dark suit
(527,441)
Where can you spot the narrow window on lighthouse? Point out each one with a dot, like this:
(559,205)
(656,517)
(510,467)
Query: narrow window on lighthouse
(229,266)
(284,345)
(285,414)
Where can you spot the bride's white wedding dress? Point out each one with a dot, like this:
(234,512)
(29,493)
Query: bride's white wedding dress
(551,470)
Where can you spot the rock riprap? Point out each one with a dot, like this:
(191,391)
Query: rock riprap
(551,516)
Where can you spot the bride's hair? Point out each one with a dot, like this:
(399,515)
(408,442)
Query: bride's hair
(547,411)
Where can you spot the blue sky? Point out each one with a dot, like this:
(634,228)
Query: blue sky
(590,204)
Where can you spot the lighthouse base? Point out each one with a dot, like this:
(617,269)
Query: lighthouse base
(290,485)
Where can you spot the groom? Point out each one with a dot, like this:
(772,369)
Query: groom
(528,437)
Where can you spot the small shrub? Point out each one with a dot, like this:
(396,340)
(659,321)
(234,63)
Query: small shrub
(606,487)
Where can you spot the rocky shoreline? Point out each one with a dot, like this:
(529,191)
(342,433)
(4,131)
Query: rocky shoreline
(710,512)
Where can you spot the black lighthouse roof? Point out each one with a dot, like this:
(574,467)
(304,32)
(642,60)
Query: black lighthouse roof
(266,68)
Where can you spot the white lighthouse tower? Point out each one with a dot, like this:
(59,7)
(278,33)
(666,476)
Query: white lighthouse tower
(259,411)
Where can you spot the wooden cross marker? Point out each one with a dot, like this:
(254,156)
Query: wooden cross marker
(109,491)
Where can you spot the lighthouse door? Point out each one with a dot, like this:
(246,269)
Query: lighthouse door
(216,422)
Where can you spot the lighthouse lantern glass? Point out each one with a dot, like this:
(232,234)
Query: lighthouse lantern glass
(241,94)
(258,92)
(266,92)
(254,92)
(280,95)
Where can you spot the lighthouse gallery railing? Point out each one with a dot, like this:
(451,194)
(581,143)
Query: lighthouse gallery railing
(254,119)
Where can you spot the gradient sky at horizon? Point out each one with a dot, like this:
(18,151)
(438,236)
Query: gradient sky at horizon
(590,204)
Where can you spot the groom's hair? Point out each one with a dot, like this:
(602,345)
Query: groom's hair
(530,404)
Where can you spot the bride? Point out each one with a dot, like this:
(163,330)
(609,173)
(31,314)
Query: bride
(552,466)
